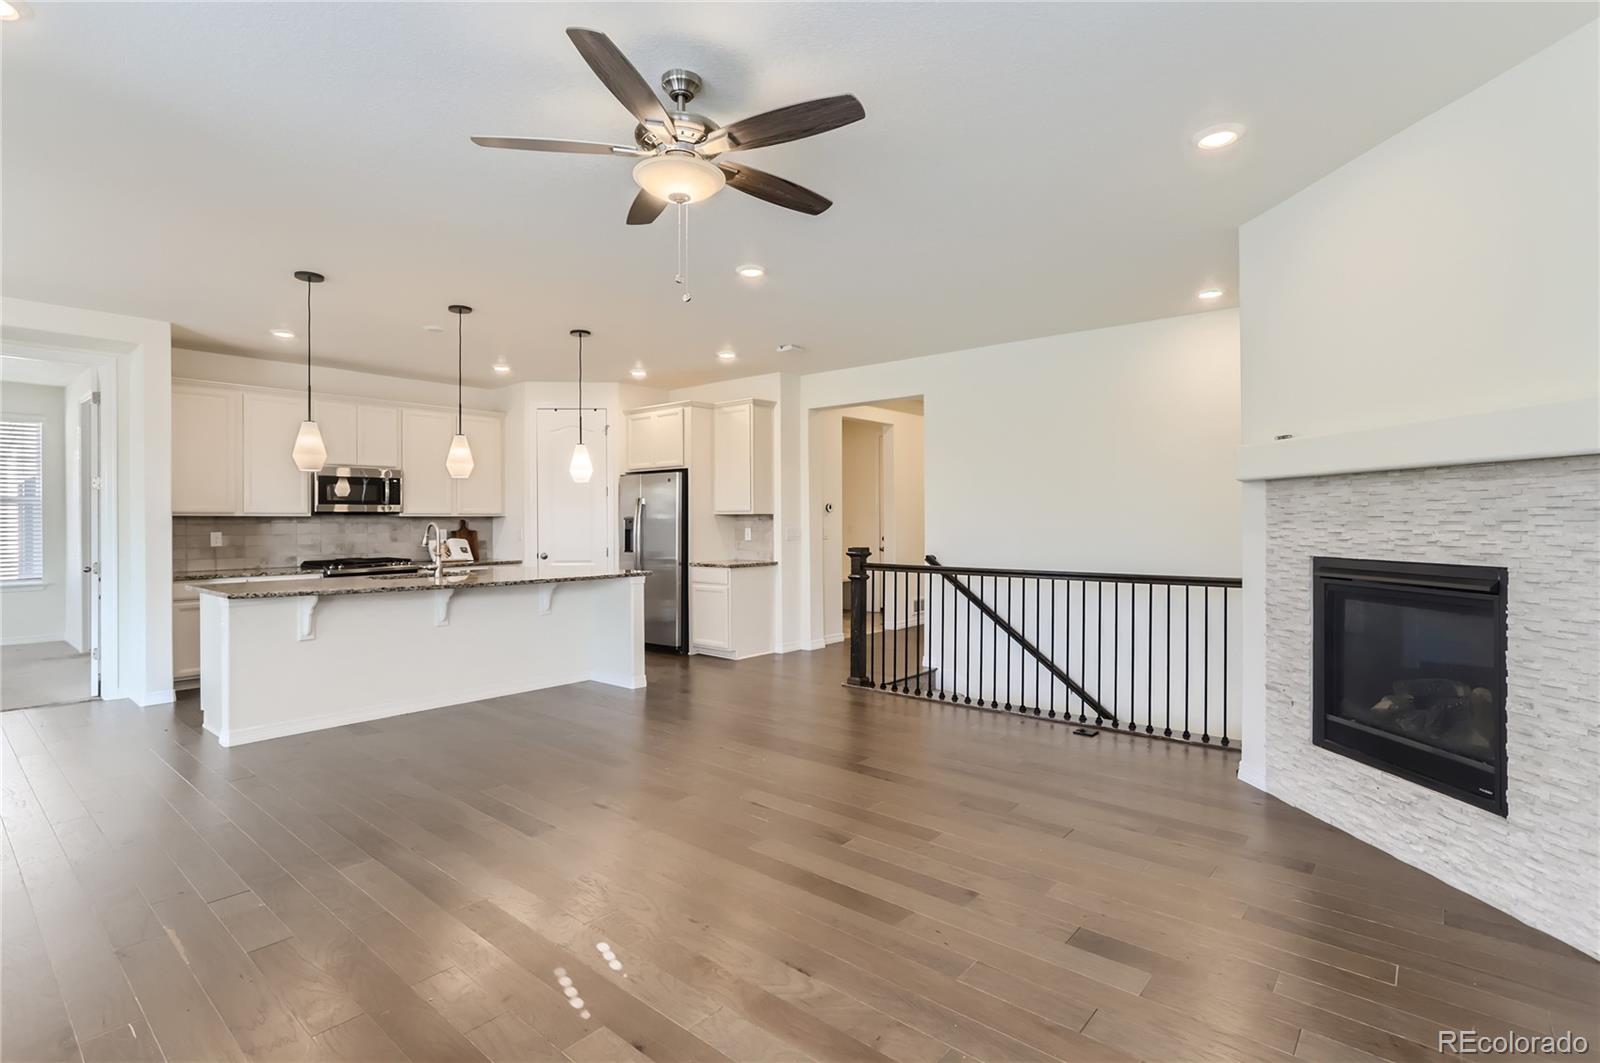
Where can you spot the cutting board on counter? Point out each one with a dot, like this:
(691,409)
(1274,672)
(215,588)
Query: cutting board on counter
(464,532)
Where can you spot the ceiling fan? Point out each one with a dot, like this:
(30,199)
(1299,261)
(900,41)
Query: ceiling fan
(680,153)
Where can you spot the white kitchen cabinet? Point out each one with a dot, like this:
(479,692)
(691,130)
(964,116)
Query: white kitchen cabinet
(425,436)
(272,485)
(186,639)
(378,435)
(205,449)
(338,419)
(732,610)
(742,457)
(656,437)
(483,493)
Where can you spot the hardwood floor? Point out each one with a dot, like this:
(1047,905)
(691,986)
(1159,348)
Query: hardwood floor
(744,862)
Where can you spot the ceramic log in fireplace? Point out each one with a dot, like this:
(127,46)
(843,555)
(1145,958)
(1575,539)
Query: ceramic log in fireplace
(1409,672)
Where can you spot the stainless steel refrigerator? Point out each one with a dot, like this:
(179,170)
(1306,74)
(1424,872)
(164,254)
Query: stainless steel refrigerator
(653,518)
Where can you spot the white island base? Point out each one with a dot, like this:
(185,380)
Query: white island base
(284,662)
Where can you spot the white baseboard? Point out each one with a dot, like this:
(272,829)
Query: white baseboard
(793,647)
(618,679)
(833,639)
(154,697)
(1252,771)
(30,640)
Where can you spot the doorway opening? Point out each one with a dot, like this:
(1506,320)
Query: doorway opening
(50,532)
(867,490)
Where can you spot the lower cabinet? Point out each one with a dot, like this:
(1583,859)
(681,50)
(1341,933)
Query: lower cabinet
(731,610)
(186,639)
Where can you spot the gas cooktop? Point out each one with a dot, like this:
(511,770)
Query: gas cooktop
(360,566)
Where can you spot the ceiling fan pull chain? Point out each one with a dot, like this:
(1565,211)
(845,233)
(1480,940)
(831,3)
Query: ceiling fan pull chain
(683,249)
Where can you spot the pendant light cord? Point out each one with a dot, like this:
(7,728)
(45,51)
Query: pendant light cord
(580,391)
(458,373)
(308,351)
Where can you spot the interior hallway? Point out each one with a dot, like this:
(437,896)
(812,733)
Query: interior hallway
(42,673)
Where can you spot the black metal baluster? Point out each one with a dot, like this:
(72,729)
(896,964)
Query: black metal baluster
(1149,657)
(994,647)
(1083,647)
(1224,667)
(1187,683)
(1167,671)
(1116,650)
(1009,582)
(1038,624)
(966,669)
(1205,668)
(1100,647)
(922,629)
(944,633)
(1053,589)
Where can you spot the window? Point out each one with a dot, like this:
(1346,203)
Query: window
(21,500)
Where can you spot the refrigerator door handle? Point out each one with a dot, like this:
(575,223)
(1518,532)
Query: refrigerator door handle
(638,529)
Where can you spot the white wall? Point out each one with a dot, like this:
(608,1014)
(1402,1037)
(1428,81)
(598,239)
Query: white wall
(1449,271)
(1111,450)
(38,613)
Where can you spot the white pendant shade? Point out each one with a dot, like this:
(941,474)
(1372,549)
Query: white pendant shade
(675,174)
(582,466)
(459,461)
(309,452)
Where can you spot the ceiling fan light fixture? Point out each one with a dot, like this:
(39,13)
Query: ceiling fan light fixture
(8,13)
(679,177)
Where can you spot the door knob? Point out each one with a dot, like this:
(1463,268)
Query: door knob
(544,557)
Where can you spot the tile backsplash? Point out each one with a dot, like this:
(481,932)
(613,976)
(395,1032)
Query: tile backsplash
(281,542)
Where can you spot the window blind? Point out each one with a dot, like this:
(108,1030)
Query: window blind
(21,500)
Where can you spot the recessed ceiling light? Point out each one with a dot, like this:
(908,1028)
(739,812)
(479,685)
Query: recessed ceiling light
(1218,136)
(1210,293)
(8,13)
(501,366)
(283,333)
(789,348)
(726,355)
(751,271)
(432,328)
(637,372)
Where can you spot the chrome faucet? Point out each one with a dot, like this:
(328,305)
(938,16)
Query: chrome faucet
(431,534)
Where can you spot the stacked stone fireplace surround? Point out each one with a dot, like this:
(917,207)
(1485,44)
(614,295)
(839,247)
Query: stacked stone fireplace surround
(1541,521)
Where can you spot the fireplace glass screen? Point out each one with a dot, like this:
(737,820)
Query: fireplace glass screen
(1410,672)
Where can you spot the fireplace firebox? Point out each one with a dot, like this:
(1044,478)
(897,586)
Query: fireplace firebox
(1409,672)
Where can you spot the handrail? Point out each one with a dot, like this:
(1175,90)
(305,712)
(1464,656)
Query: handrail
(1093,577)
(1016,636)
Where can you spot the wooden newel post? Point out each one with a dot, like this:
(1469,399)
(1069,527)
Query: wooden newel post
(858,616)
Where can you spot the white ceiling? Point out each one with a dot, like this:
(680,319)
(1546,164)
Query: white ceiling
(1024,169)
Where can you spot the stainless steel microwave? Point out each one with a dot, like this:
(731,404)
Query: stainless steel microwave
(357,489)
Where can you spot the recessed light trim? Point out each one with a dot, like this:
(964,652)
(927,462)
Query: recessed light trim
(501,367)
(1210,293)
(283,333)
(432,328)
(751,271)
(727,354)
(637,372)
(1217,137)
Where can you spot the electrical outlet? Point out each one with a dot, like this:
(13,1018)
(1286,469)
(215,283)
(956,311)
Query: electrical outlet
(747,535)
(216,540)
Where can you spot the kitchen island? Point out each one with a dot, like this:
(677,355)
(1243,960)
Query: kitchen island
(292,656)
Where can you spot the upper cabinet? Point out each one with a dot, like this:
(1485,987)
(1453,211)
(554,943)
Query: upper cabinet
(742,457)
(206,473)
(231,449)
(272,484)
(657,437)
(483,492)
(424,441)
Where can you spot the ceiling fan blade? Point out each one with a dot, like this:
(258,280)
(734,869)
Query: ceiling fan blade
(794,122)
(763,185)
(619,75)
(570,147)
(646,209)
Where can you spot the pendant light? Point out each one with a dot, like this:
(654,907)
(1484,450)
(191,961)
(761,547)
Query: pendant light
(459,461)
(310,454)
(582,465)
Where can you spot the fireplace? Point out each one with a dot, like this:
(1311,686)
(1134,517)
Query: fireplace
(1409,672)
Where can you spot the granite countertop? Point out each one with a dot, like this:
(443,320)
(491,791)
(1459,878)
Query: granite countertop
(296,570)
(733,564)
(499,576)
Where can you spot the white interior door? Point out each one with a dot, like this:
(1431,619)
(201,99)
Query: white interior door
(89,531)
(573,536)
